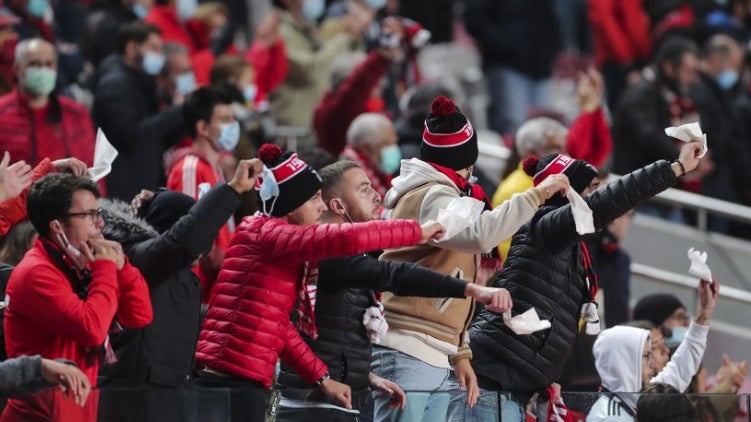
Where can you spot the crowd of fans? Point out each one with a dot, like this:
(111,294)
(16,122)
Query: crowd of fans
(269,225)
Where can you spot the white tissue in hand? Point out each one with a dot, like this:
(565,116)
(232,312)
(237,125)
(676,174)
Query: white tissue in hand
(526,323)
(688,133)
(104,155)
(458,215)
(374,322)
(582,213)
(699,267)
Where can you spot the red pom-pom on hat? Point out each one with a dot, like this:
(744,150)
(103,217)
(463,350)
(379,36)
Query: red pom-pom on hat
(442,106)
(530,165)
(268,153)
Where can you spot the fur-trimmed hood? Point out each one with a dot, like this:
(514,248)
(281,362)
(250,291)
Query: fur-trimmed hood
(121,226)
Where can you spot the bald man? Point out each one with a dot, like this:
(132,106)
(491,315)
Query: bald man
(34,121)
(372,143)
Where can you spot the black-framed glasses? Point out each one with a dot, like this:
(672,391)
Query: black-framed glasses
(92,215)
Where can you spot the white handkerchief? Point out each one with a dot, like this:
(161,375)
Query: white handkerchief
(104,155)
(458,215)
(526,323)
(699,267)
(374,322)
(581,212)
(687,133)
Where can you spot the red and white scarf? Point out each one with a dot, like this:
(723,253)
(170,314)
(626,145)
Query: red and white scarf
(306,304)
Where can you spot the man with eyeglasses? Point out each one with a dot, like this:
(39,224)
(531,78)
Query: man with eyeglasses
(627,359)
(69,291)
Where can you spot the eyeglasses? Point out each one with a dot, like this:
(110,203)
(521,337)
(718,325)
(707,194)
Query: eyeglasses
(91,215)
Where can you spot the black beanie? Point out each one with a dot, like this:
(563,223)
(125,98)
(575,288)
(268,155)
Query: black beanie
(165,208)
(579,172)
(656,308)
(297,181)
(448,139)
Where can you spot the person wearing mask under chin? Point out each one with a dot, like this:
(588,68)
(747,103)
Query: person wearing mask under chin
(126,108)
(35,122)
(194,170)
(372,143)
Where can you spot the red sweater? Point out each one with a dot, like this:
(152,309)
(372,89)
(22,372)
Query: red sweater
(270,64)
(589,138)
(165,18)
(21,133)
(44,316)
(621,31)
(248,327)
(14,210)
(339,106)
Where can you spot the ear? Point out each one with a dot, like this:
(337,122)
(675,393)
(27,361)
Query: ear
(336,206)
(130,49)
(202,128)
(55,227)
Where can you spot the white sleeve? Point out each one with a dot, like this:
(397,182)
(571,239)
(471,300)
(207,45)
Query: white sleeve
(686,359)
(488,230)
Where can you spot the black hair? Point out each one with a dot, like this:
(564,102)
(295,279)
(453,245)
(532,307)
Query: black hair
(200,106)
(672,51)
(51,197)
(664,403)
(137,31)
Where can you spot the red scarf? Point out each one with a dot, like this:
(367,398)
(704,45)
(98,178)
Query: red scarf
(306,304)
(379,181)
(490,260)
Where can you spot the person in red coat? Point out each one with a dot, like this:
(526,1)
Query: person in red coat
(164,16)
(34,121)
(69,291)
(270,264)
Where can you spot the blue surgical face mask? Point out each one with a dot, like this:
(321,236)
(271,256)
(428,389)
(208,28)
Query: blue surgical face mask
(153,63)
(313,9)
(269,189)
(39,81)
(139,10)
(679,333)
(727,79)
(186,9)
(391,157)
(185,83)
(37,7)
(250,92)
(229,135)
(376,4)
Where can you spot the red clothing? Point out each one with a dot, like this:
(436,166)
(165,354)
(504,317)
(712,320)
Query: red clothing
(248,327)
(28,136)
(187,172)
(165,18)
(621,31)
(14,210)
(589,138)
(339,106)
(270,64)
(44,316)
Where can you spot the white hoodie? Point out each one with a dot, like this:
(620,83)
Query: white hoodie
(488,230)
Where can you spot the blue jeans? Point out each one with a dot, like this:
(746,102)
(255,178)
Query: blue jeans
(426,387)
(488,409)
(512,95)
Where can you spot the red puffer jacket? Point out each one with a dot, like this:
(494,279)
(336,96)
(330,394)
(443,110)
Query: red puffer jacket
(248,326)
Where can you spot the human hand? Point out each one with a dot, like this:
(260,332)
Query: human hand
(431,230)
(398,399)
(589,90)
(556,183)
(708,292)
(732,373)
(246,175)
(337,392)
(495,299)
(268,30)
(71,165)
(102,249)
(71,380)
(689,156)
(140,200)
(14,178)
(467,380)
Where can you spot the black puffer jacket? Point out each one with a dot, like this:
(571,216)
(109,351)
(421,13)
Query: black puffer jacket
(162,353)
(341,301)
(544,271)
